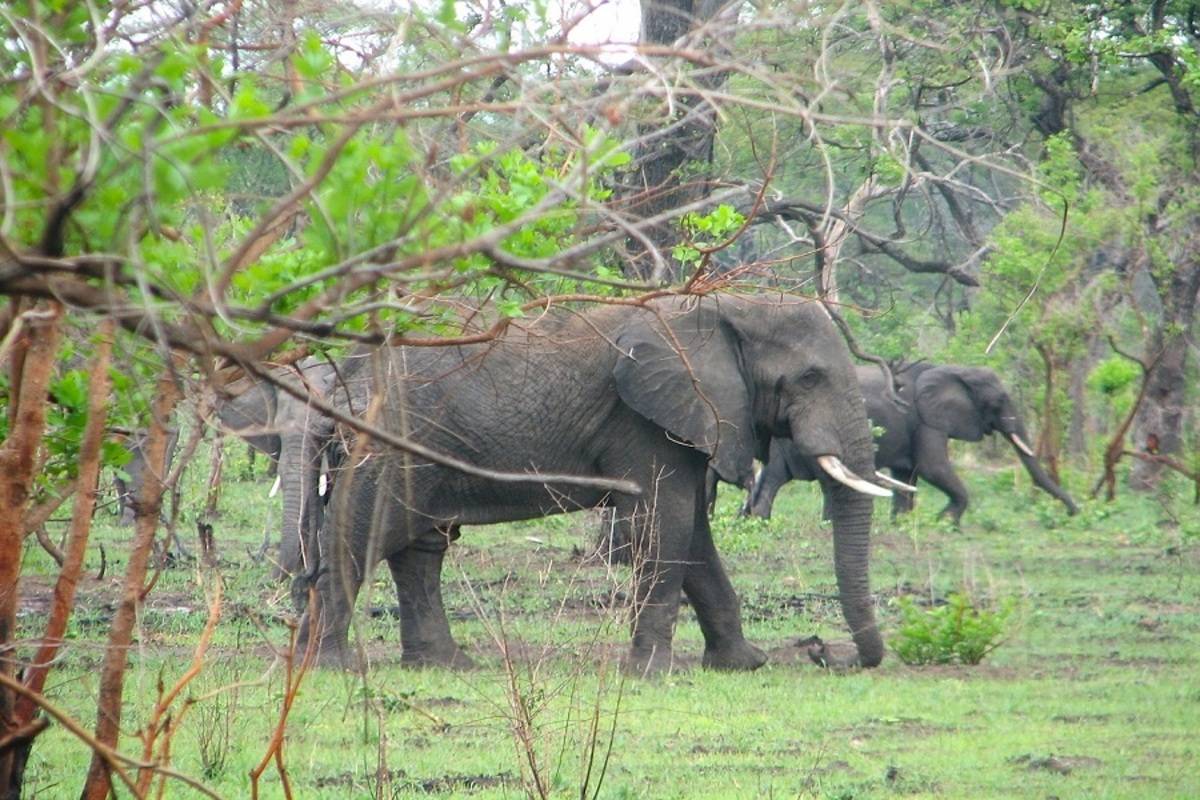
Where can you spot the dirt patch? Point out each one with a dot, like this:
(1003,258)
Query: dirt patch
(890,726)
(1063,765)
(767,607)
(400,781)
(1076,719)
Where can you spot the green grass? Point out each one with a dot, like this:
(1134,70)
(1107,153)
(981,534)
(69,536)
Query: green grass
(1094,693)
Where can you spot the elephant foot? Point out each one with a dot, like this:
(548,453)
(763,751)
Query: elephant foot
(331,649)
(445,658)
(327,655)
(644,662)
(740,657)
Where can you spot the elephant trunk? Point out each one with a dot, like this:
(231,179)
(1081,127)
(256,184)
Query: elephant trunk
(1044,482)
(851,560)
(300,475)
(851,514)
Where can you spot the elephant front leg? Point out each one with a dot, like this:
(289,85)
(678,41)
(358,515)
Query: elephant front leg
(717,607)
(761,499)
(933,464)
(325,626)
(424,629)
(903,502)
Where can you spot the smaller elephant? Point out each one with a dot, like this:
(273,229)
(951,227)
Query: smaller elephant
(129,483)
(289,430)
(943,402)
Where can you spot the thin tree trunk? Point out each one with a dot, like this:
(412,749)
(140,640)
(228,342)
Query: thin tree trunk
(18,455)
(1161,416)
(1049,441)
(63,602)
(669,146)
(215,465)
(148,506)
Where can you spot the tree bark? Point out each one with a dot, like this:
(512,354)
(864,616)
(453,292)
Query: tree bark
(63,602)
(148,508)
(1160,417)
(18,456)
(668,146)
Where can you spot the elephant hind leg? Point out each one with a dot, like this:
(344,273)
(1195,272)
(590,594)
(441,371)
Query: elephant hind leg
(424,629)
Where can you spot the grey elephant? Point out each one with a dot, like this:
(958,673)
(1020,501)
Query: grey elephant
(649,393)
(944,402)
(277,423)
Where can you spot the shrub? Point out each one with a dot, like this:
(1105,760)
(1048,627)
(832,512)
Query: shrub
(957,632)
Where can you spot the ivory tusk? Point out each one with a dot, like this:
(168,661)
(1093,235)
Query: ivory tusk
(322,485)
(1020,444)
(895,484)
(834,467)
(274,487)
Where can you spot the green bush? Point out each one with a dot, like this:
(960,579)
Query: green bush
(957,632)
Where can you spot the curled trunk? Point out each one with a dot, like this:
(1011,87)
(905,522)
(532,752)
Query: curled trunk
(1044,482)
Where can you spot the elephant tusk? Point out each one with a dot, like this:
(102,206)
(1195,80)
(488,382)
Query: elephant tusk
(895,484)
(834,467)
(1019,443)
(274,487)
(322,485)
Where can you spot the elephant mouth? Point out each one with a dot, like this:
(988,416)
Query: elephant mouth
(835,469)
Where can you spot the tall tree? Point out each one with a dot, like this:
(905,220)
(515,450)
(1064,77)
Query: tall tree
(674,151)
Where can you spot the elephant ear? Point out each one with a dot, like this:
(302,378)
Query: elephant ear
(945,402)
(707,405)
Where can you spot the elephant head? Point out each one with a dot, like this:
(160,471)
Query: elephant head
(969,403)
(285,427)
(730,374)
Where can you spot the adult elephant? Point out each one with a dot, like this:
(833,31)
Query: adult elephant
(943,403)
(647,393)
(277,423)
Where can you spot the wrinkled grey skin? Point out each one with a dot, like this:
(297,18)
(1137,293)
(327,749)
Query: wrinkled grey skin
(601,393)
(286,428)
(135,468)
(945,402)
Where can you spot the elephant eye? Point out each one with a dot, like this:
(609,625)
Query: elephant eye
(810,378)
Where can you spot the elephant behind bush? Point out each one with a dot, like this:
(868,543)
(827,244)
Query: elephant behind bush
(648,394)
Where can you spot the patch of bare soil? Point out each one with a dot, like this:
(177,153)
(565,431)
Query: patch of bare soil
(907,726)
(770,606)
(984,671)
(443,784)
(1063,765)
(1079,718)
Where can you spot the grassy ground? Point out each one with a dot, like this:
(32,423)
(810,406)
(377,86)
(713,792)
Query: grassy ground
(1094,693)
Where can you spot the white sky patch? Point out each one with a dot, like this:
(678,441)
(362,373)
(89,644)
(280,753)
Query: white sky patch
(610,22)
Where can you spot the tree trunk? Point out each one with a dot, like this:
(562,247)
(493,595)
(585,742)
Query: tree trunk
(216,462)
(148,507)
(1049,440)
(669,145)
(1158,426)
(18,457)
(63,602)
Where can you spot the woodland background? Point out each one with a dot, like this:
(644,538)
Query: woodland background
(188,190)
